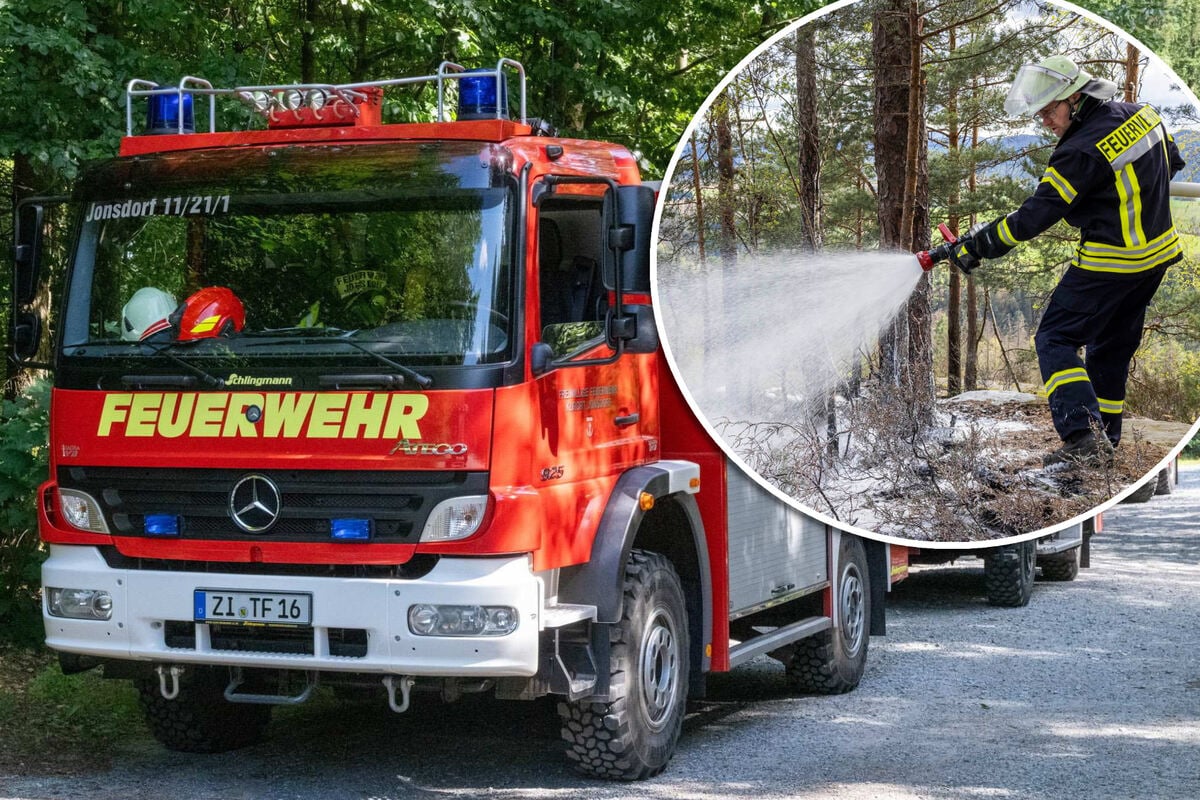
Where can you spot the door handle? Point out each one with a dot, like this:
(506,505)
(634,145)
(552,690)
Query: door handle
(627,420)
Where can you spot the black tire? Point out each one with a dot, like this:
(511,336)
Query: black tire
(200,719)
(1165,484)
(833,661)
(633,736)
(1062,567)
(1143,493)
(1008,573)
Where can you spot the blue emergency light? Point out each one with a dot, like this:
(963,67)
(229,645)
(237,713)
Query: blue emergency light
(162,113)
(477,96)
(350,530)
(161,525)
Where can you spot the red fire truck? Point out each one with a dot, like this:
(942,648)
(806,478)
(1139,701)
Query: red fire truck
(345,403)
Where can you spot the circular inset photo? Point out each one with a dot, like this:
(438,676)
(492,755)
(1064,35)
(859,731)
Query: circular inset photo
(934,277)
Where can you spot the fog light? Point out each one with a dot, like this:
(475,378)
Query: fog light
(445,620)
(81,511)
(79,603)
(456,518)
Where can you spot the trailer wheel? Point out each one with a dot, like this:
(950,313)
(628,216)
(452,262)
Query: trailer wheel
(633,736)
(1164,481)
(1143,493)
(833,661)
(1062,567)
(200,719)
(1008,573)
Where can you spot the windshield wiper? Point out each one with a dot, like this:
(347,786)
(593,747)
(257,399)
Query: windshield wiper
(424,381)
(174,380)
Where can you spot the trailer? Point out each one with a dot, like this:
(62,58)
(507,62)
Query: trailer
(345,402)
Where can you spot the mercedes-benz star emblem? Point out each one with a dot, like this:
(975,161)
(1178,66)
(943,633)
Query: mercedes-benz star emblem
(254,503)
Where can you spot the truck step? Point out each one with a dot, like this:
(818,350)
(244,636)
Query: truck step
(564,614)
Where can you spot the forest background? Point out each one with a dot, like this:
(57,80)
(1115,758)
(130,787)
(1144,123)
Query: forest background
(630,71)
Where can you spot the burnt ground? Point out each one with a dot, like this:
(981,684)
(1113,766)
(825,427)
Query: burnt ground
(975,475)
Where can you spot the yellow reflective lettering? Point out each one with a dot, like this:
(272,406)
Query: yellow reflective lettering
(404,412)
(285,414)
(116,406)
(365,420)
(326,420)
(143,414)
(209,414)
(236,423)
(176,415)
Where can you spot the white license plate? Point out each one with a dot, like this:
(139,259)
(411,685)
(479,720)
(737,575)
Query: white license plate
(254,608)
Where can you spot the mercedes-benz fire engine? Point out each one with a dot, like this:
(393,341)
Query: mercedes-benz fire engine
(347,403)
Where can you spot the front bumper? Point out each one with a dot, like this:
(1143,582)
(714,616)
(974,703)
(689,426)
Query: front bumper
(148,604)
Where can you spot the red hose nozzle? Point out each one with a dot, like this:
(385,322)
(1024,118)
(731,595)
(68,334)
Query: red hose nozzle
(927,258)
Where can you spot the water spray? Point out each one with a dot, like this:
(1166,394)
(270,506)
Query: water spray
(927,258)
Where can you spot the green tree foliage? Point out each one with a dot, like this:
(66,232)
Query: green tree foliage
(23,451)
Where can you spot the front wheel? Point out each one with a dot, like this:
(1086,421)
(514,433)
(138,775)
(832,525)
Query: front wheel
(833,661)
(633,736)
(200,719)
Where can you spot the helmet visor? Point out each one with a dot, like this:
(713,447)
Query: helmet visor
(1034,88)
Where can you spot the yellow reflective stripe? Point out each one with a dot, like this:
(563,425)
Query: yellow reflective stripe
(1111,406)
(1005,233)
(1130,193)
(1152,246)
(1073,375)
(1060,184)
(1098,264)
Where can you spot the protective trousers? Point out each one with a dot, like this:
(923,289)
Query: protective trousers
(1105,315)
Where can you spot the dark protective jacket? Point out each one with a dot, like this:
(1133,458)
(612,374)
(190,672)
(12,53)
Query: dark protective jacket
(1110,177)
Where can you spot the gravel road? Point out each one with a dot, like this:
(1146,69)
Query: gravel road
(1091,691)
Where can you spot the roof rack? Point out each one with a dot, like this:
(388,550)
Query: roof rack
(270,100)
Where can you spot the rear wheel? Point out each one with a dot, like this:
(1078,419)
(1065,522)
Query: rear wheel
(633,736)
(833,661)
(1008,573)
(200,719)
(1063,567)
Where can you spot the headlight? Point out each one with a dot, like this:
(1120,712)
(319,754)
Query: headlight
(456,518)
(81,510)
(441,620)
(79,603)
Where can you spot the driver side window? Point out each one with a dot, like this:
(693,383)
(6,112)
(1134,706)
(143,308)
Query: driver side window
(573,301)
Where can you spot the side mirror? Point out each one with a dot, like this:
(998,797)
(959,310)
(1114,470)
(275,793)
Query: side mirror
(27,254)
(635,330)
(635,210)
(25,334)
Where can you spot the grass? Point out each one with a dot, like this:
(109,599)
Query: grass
(52,723)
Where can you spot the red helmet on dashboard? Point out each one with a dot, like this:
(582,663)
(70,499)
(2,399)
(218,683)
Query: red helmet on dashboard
(213,311)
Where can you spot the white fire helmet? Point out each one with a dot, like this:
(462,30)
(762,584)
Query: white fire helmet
(1055,78)
(146,313)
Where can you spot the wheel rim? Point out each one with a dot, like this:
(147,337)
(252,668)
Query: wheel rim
(852,609)
(659,667)
(1030,562)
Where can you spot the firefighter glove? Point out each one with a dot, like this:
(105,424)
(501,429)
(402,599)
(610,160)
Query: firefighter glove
(964,255)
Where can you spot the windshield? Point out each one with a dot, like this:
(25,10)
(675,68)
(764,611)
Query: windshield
(330,256)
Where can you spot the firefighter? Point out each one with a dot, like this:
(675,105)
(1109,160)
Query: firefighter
(1109,176)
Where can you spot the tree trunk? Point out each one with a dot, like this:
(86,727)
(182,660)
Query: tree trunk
(1131,73)
(891,52)
(697,189)
(974,328)
(727,241)
(808,161)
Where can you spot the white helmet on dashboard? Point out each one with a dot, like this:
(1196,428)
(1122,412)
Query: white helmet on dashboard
(146,313)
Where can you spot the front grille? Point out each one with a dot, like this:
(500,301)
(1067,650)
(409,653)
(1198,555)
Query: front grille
(397,502)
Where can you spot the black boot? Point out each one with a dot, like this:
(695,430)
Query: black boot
(1085,448)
